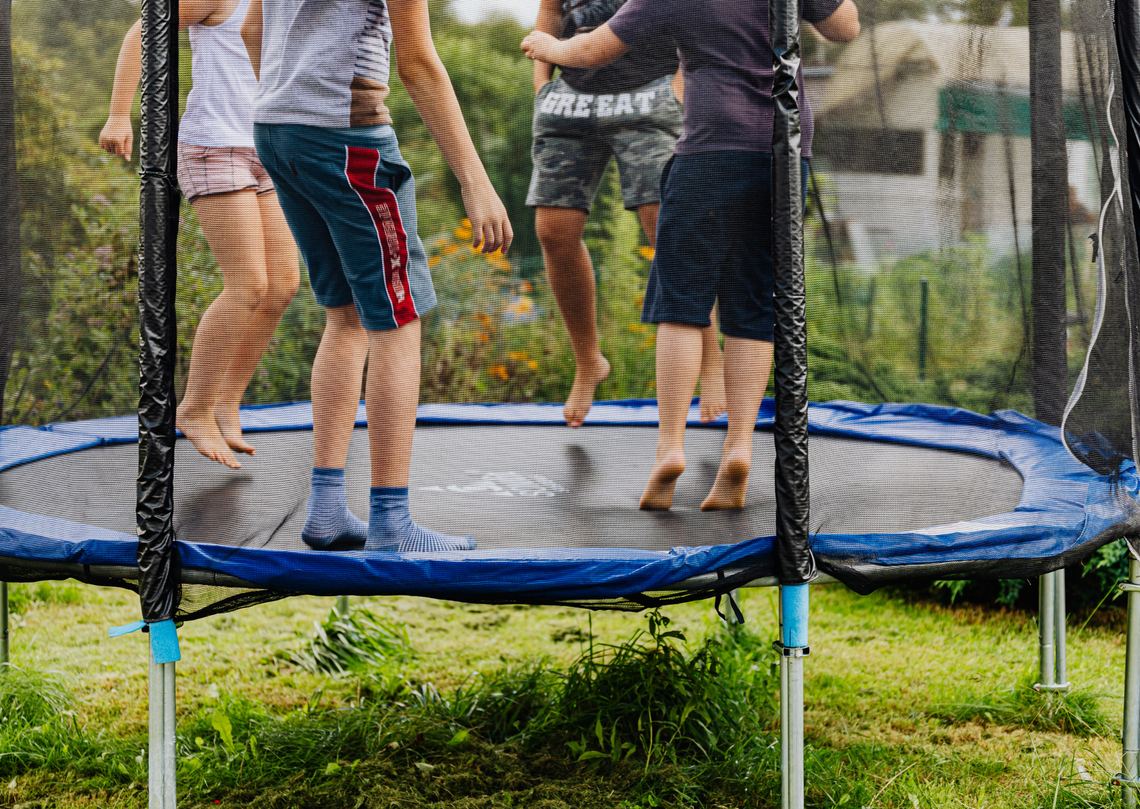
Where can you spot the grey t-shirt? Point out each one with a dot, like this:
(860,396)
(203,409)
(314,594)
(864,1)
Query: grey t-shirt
(726,54)
(636,69)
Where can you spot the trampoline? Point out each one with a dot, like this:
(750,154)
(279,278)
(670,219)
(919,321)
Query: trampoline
(970,187)
(908,492)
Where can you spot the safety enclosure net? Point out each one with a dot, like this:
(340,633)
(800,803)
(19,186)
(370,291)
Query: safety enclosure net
(961,313)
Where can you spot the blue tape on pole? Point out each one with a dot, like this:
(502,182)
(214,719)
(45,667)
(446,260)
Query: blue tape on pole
(164,642)
(794,612)
(119,631)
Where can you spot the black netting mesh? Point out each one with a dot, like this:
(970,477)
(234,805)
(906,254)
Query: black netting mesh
(968,242)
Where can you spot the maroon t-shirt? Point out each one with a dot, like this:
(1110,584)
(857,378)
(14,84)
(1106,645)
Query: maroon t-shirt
(726,54)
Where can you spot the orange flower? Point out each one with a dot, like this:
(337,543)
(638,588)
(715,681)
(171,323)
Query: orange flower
(500,371)
(518,356)
(463,232)
(646,252)
(433,261)
(532,365)
(526,286)
(483,337)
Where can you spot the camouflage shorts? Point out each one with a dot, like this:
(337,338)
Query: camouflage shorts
(576,134)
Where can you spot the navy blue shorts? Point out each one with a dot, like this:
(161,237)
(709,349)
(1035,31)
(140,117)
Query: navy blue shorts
(350,201)
(714,242)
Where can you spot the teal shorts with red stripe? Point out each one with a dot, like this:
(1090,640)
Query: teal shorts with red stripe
(350,201)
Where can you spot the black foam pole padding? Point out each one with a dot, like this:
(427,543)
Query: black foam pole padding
(9,205)
(158,232)
(1050,202)
(794,562)
(1128,46)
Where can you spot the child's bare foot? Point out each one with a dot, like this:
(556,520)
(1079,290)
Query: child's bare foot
(581,399)
(731,484)
(658,494)
(714,402)
(204,434)
(229,424)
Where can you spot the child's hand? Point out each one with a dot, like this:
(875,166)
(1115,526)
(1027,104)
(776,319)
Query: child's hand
(117,136)
(490,228)
(540,46)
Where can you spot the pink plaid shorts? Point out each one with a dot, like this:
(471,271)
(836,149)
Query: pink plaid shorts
(205,170)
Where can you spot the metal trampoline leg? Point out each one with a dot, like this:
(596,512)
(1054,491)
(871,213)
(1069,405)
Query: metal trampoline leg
(342,605)
(1046,627)
(1052,664)
(156,716)
(793,647)
(1060,620)
(161,768)
(1129,777)
(169,738)
(3,626)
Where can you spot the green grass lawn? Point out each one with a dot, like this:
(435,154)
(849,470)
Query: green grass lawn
(909,705)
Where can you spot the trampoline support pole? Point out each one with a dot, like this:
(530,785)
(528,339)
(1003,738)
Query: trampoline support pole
(1129,778)
(342,605)
(1053,667)
(1059,633)
(1046,627)
(793,647)
(161,772)
(3,626)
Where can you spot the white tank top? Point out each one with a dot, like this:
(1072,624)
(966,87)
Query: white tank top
(219,110)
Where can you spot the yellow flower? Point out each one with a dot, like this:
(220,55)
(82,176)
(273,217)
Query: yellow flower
(526,286)
(646,252)
(532,364)
(463,232)
(500,371)
(518,356)
(433,261)
(638,328)
(520,306)
(449,249)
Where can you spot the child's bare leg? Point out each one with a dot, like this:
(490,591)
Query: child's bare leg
(283,276)
(713,399)
(712,360)
(678,367)
(338,371)
(747,364)
(231,223)
(571,276)
(392,396)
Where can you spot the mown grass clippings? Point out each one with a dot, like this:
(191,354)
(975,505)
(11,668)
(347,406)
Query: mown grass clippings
(1075,712)
(354,641)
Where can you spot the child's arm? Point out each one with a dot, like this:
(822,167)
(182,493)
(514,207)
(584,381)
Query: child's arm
(117,136)
(549,22)
(595,49)
(842,25)
(251,35)
(426,79)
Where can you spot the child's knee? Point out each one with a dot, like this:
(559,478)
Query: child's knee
(282,291)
